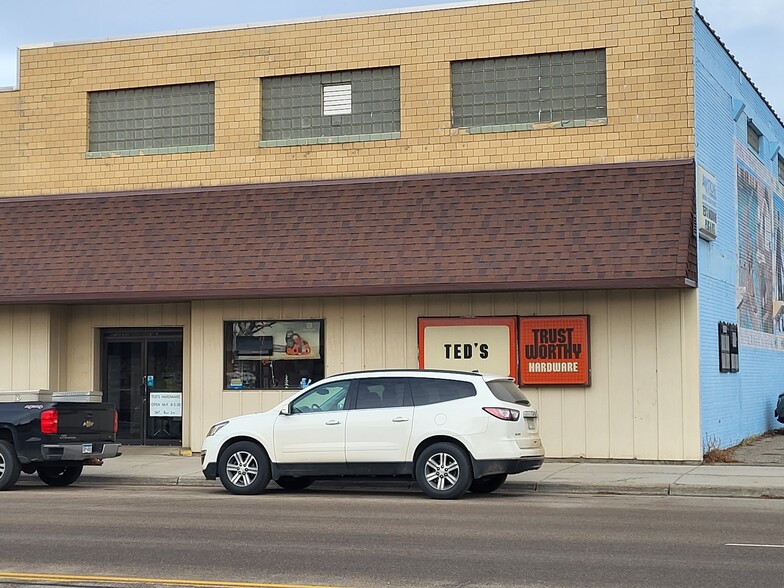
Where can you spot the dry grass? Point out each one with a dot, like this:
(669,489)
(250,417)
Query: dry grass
(713,453)
(752,440)
(716,455)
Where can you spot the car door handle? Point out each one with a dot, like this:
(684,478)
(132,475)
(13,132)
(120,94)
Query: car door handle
(399,420)
(332,422)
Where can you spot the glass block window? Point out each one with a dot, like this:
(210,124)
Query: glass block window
(753,136)
(312,106)
(550,87)
(163,117)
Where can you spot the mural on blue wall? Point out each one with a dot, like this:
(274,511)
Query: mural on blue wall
(778,264)
(760,247)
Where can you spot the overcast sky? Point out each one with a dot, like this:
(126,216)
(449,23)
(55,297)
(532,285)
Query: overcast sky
(751,29)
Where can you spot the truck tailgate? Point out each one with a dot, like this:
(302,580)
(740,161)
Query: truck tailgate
(85,420)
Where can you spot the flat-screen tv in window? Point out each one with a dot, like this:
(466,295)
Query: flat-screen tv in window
(252,347)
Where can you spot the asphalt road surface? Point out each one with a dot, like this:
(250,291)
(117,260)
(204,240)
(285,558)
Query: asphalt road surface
(362,538)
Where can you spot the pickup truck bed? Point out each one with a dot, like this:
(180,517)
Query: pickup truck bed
(54,439)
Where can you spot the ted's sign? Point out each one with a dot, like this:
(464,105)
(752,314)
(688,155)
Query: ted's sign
(487,345)
(554,350)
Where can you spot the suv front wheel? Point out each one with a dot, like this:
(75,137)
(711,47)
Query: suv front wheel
(443,471)
(244,468)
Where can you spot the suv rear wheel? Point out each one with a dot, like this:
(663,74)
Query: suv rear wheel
(244,468)
(443,471)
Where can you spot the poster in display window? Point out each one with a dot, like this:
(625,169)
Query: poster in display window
(555,350)
(270,354)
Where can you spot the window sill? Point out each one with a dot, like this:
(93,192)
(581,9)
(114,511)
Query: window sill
(151,151)
(276,390)
(330,140)
(561,124)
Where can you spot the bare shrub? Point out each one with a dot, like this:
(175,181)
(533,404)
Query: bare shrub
(713,452)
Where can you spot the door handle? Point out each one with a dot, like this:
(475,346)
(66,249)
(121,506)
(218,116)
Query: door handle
(400,420)
(332,422)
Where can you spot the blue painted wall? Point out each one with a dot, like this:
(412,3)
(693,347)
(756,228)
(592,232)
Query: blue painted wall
(735,406)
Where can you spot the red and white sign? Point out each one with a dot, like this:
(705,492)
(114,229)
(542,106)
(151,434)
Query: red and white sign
(555,350)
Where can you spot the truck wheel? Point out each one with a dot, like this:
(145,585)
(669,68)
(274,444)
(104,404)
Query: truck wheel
(244,468)
(59,475)
(10,467)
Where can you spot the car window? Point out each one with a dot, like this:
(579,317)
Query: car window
(327,397)
(431,390)
(508,391)
(382,393)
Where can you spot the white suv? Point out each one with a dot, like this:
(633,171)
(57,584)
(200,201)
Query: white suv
(451,431)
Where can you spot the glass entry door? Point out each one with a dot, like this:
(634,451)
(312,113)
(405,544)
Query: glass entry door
(141,372)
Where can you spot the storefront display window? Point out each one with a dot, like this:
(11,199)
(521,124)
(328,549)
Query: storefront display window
(265,355)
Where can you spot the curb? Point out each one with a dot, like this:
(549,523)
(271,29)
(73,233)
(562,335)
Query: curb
(725,491)
(542,487)
(588,488)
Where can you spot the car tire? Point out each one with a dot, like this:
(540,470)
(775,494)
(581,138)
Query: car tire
(443,471)
(487,484)
(292,483)
(59,475)
(10,468)
(244,468)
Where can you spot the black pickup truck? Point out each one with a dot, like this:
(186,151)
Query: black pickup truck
(54,439)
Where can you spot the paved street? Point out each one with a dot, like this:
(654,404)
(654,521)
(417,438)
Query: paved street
(392,538)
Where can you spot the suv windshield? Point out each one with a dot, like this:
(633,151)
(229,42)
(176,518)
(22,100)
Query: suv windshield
(507,391)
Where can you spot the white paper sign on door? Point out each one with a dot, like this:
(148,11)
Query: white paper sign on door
(165,404)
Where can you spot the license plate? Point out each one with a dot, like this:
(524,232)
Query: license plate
(87,448)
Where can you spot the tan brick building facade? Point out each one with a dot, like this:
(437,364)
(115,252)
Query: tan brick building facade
(43,125)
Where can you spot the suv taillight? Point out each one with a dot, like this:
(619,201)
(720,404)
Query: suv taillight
(49,421)
(505,414)
(116,421)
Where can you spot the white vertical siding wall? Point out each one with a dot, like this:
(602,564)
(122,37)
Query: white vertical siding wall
(29,347)
(643,402)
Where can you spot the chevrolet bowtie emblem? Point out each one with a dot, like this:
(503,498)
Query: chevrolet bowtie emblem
(88,424)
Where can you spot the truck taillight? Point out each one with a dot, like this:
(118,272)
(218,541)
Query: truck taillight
(116,421)
(49,421)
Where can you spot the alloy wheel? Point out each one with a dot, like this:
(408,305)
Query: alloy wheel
(242,468)
(442,471)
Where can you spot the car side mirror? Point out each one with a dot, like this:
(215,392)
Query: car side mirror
(286,410)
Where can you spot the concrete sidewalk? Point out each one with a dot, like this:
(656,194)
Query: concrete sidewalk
(156,466)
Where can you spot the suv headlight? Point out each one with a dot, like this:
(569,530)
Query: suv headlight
(216,427)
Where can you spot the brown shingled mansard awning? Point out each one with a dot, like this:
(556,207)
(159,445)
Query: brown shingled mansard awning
(586,227)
